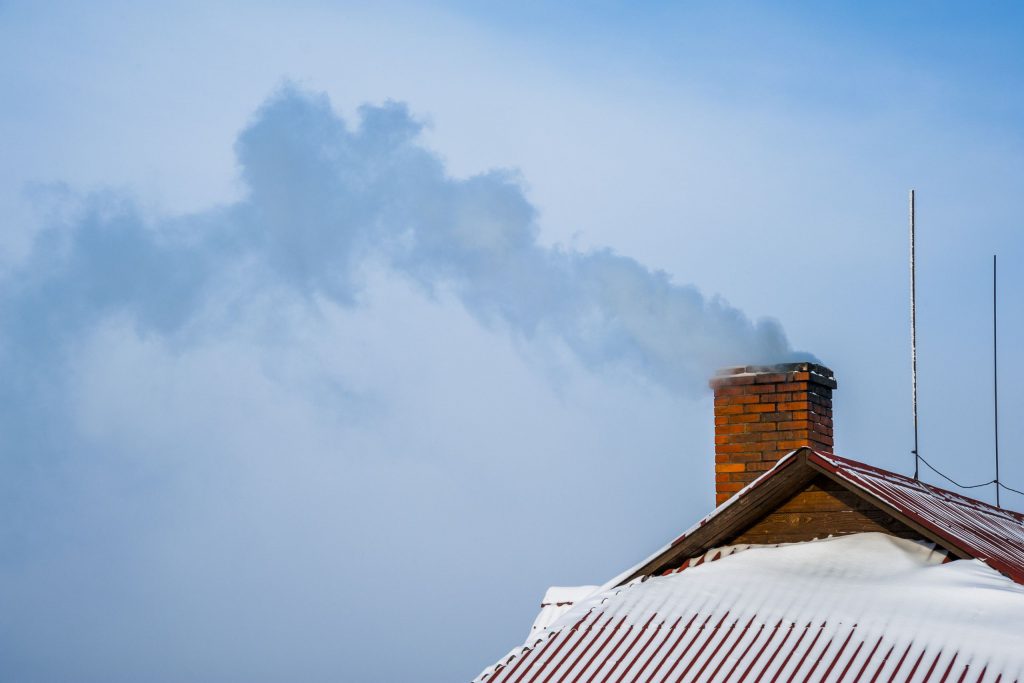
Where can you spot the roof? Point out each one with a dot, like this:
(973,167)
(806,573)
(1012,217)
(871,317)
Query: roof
(557,601)
(865,606)
(966,527)
(869,607)
(972,527)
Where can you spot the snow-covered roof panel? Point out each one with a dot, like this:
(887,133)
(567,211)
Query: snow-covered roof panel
(557,601)
(861,607)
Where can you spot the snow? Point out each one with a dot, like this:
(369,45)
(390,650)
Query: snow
(869,604)
(557,601)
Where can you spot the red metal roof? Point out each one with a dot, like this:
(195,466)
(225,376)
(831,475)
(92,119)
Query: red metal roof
(873,608)
(691,626)
(993,535)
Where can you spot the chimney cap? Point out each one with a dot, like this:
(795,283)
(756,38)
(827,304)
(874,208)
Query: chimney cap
(744,374)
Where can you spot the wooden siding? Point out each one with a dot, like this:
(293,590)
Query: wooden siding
(823,508)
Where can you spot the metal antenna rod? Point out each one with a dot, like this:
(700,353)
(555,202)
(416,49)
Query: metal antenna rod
(913,331)
(995,374)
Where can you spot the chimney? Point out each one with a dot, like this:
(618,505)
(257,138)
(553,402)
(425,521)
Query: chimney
(763,412)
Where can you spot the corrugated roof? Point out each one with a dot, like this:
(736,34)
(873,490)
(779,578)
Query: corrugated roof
(736,619)
(865,607)
(557,601)
(983,531)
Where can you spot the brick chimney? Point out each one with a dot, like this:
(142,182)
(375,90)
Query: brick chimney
(762,413)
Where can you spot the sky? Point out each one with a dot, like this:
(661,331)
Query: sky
(333,335)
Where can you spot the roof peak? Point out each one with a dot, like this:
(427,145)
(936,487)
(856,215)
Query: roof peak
(965,527)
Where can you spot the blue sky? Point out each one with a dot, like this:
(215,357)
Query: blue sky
(331,332)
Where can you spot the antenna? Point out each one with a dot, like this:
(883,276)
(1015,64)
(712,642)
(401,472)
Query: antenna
(913,331)
(995,374)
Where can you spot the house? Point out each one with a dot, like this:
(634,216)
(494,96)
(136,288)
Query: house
(813,567)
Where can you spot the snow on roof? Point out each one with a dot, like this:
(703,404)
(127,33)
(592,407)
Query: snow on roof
(557,601)
(868,607)
(979,530)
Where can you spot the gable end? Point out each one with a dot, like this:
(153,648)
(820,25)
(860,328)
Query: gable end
(822,508)
(800,499)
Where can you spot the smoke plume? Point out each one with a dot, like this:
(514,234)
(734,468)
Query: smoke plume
(323,198)
(196,482)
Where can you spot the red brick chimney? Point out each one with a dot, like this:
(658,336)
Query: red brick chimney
(762,413)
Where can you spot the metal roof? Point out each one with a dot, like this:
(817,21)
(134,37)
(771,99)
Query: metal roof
(977,529)
(842,609)
(643,627)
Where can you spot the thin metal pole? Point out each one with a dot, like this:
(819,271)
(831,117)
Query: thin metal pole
(913,330)
(995,373)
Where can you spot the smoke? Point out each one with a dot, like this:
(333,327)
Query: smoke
(324,199)
(195,481)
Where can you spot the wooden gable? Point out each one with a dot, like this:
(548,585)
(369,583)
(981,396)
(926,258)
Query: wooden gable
(822,508)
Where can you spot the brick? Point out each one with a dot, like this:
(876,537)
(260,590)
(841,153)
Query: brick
(761,466)
(730,410)
(794,405)
(731,429)
(770,378)
(760,408)
(765,436)
(736,400)
(776,417)
(730,486)
(737,438)
(746,417)
(727,392)
(762,427)
(791,386)
(792,434)
(732,466)
(790,445)
(824,381)
(753,389)
(737,457)
(733,448)
(718,382)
